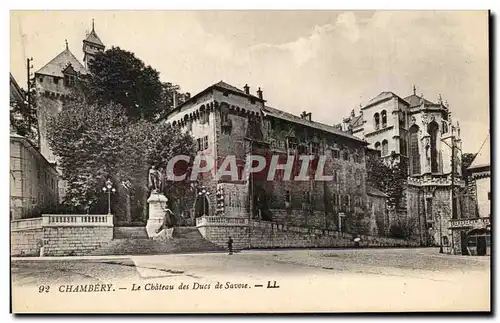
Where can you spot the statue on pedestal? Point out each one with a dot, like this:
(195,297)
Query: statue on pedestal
(161,219)
(154,179)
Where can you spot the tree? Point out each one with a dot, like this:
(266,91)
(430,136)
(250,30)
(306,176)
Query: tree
(99,142)
(23,118)
(390,177)
(116,75)
(405,228)
(467,159)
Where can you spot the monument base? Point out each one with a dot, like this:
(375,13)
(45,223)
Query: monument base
(157,204)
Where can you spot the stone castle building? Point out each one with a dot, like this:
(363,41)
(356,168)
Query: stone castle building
(33,180)
(54,82)
(228,121)
(422,133)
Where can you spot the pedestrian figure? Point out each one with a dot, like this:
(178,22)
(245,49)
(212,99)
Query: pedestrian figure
(230,245)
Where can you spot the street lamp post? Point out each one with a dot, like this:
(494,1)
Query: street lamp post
(109,189)
(203,192)
(440,232)
(341,215)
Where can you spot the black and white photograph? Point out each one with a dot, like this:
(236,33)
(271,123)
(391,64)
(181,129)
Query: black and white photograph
(250,161)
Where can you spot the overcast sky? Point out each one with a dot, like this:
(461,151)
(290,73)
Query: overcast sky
(324,62)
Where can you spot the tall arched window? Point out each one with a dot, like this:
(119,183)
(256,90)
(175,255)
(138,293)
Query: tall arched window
(384,118)
(445,127)
(414,151)
(385,148)
(377,146)
(376,117)
(433,129)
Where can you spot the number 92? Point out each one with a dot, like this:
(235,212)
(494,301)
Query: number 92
(43,288)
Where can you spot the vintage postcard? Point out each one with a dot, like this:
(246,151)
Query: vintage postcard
(250,161)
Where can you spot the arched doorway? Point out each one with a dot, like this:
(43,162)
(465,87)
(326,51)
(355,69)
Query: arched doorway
(202,206)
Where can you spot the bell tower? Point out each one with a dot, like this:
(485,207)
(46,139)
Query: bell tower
(92,44)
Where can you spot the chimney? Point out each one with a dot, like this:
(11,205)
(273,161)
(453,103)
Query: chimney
(306,115)
(259,93)
(188,95)
(353,113)
(174,99)
(247,89)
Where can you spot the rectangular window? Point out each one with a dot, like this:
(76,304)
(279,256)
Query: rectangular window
(68,80)
(347,200)
(307,197)
(292,146)
(335,199)
(55,79)
(205,118)
(336,154)
(200,146)
(315,148)
(205,142)
(288,198)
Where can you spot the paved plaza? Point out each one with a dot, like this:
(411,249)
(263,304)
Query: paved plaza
(359,279)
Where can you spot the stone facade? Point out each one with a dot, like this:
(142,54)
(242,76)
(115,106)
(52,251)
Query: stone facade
(226,121)
(53,84)
(422,133)
(33,180)
(472,232)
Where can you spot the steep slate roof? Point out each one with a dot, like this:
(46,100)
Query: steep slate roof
(60,62)
(381,97)
(16,94)
(219,85)
(375,192)
(414,101)
(93,38)
(223,85)
(356,121)
(483,156)
(269,111)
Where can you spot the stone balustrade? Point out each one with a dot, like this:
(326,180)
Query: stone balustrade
(60,234)
(89,220)
(217,220)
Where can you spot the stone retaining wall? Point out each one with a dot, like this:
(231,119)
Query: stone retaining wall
(272,235)
(60,235)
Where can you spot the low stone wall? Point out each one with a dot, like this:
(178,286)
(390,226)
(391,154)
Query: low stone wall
(60,235)
(75,241)
(272,235)
(218,230)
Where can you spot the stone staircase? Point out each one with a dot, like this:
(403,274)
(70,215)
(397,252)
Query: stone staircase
(134,241)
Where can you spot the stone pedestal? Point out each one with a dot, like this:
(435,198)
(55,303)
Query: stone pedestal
(157,202)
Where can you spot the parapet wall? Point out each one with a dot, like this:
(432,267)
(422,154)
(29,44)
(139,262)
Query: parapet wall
(260,234)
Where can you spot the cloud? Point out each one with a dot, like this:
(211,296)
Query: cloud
(329,70)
